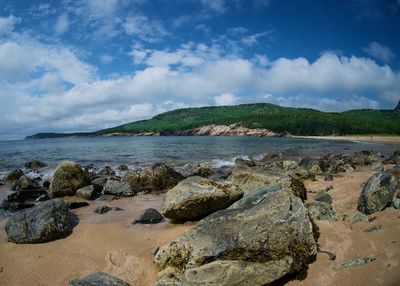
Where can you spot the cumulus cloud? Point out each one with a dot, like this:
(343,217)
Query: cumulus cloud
(7,24)
(226,99)
(62,24)
(379,52)
(145,29)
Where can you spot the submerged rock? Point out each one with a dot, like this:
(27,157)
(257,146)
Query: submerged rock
(149,216)
(377,194)
(46,221)
(105,209)
(68,178)
(270,228)
(196,197)
(97,279)
(35,164)
(356,262)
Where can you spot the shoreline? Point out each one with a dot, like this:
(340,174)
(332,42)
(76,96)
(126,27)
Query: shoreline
(381,139)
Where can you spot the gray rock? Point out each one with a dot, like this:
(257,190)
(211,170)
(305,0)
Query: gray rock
(123,168)
(328,177)
(377,194)
(271,224)
(394,159)
(358,217)
(87,193)
(46,221)
(105,209)
(149,216)
(396,203)
(106,171)
(14,175)
(197,197)
(202,171)
(321,211)
(97,279)
(35,164)
(99,183)
(374,228)
(26,183)
(26,195)
(17,206)
(243,162)
(324,198)
(356,262)
(68,178)
(118,188)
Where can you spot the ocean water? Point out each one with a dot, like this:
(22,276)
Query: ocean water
(175,151)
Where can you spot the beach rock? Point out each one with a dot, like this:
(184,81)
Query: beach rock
(149,216)
(17,206)
(46,221)
(321,211)
(249,179)
(35,164)
(42,198)
(313,166)
(68,178)
(244,162)
(99,183)
(87,193)
(118,188)
(123,168)
(365,158)
(105,209)
(201,170)
(271,224)
(106,171)
(323,197)
(46,184)
(394,159)
(231,272)
(26,183)
(159,177)
(374,228)
(14,175)
(356,262)
(377,194)
(97,279)
(197,197)
(26,195)
(77,205)
(328,177)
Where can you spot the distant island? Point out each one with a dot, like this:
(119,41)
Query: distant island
(260,119)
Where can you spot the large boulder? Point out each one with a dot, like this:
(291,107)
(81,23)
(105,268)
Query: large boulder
(270,228)
(46,221)
(159,177)
(197,197)
(35,164)
(377,194)
(249,179)
(97,279)
(118,188)
(68,178)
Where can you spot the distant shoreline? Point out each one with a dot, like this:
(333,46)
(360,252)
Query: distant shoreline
(384,139)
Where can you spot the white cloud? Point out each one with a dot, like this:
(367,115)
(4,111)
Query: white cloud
(218,6)
(379,52)
(62,24)
(7,24)
(144,28)
(252,40)
(226,99)
(106,59)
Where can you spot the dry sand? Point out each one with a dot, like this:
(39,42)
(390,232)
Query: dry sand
(372,139)
(110,243)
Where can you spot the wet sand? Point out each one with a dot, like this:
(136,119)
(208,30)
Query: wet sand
(110,243)
(371,139)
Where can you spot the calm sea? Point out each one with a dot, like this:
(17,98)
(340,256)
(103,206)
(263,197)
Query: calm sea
(176,151)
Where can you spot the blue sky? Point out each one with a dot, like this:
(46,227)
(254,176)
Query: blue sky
(85,65)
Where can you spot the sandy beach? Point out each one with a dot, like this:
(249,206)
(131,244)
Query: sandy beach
(363,138)
(110,243)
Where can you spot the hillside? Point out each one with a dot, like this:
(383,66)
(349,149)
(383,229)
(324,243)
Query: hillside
(296,121)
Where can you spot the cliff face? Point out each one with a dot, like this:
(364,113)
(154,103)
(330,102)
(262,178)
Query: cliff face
(224,130)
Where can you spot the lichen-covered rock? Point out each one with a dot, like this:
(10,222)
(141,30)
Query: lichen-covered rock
(68,178)
(356,262)
(358,217)
(149,216)
(196,197)
(159,177)
(323,197)
(87,193)
(249,179)
(35,164)
(365,158)
(321,211)
(106,171)
(377,194)
(97,279)
(270,224)
(14,175)
(118,188)
(201,170)
(46,221)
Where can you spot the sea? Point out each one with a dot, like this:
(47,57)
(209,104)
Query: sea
(176,151)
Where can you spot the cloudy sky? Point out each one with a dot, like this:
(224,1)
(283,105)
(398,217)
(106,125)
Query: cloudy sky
(82,65)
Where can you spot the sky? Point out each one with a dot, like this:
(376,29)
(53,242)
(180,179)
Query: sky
(84,65)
